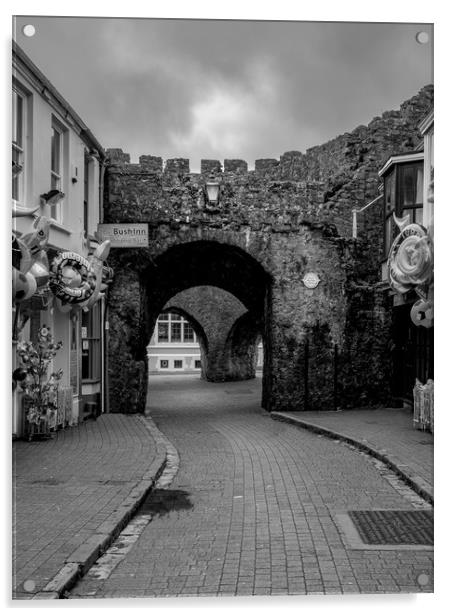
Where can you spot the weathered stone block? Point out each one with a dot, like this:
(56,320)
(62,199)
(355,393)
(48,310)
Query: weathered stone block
(177,165)
(116,155)
(210,166)
(153,164)
(234,165)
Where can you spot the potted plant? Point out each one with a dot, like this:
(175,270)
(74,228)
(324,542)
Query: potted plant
(40,388)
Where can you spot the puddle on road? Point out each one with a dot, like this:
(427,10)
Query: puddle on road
(161,502)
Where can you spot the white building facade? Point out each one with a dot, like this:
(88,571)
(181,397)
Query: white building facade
(53,150)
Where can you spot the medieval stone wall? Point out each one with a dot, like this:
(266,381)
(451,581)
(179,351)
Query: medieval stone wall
(324,347)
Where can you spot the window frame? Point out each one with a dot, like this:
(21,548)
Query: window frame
(396,171)
(20,150)
(170,320)
(57,176)
(92,320)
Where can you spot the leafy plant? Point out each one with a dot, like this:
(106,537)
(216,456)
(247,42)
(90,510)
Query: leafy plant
(41,388)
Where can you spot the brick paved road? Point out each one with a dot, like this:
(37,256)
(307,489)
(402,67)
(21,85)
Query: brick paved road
(256,507)
(67,487)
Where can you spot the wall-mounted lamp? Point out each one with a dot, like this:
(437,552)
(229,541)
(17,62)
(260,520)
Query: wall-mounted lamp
(213,191)
(53,197)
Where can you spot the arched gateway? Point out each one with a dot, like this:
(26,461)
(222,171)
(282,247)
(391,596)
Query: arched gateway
(278,238)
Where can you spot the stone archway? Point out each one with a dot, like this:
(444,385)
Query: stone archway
(217,311)
(264,273)
(144,287)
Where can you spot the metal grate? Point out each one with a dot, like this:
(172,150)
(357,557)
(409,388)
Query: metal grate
(394,527)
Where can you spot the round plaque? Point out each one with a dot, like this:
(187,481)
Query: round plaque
(311,280)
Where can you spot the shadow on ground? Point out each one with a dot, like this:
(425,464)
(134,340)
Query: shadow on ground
(161,502)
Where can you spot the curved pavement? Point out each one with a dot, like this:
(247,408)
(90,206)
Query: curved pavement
(254,507)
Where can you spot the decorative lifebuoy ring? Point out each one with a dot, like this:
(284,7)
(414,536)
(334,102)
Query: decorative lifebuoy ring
(410,260)
(72,279)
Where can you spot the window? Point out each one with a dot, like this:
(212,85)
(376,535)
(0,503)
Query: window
(198,363)
(164,363)
(91,343)
(56,167)
(189,334)
(178,364)
(403,195)
(163,332)
(176,332)
(173,328)
(18,145)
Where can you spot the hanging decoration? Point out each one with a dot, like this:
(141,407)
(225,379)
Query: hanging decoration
(96,261)
(30,263)
(107,277)
(23,285)
(422,313)
(410,268)
(72,279)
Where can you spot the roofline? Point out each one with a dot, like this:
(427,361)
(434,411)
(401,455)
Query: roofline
(426,123)
(48,90)
(400,158)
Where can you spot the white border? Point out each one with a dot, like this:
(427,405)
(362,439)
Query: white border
(385,10)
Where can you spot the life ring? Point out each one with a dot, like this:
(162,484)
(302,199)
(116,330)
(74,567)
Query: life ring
(72,279)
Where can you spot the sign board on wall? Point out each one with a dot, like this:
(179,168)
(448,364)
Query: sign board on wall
(124,235)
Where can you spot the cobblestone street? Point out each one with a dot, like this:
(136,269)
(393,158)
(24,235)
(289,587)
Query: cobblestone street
(255,507)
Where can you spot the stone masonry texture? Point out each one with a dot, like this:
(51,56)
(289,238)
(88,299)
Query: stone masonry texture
(325,347)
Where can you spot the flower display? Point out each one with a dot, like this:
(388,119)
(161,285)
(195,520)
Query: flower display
(38,385)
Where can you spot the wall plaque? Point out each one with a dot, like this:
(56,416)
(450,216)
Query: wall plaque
(311,280)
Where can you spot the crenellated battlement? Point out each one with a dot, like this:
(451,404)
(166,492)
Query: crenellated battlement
(318,187)
(365,146)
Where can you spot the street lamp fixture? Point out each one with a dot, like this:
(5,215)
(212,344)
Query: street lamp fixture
(213,192)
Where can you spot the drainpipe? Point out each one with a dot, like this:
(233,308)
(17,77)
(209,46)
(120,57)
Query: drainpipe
(105,332)
(355,211)
(101,189)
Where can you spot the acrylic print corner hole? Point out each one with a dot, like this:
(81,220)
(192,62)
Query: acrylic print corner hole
(29,30)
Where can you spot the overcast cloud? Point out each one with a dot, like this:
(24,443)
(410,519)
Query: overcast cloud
(212,89)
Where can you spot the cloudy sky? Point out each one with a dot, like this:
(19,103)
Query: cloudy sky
(226,89)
